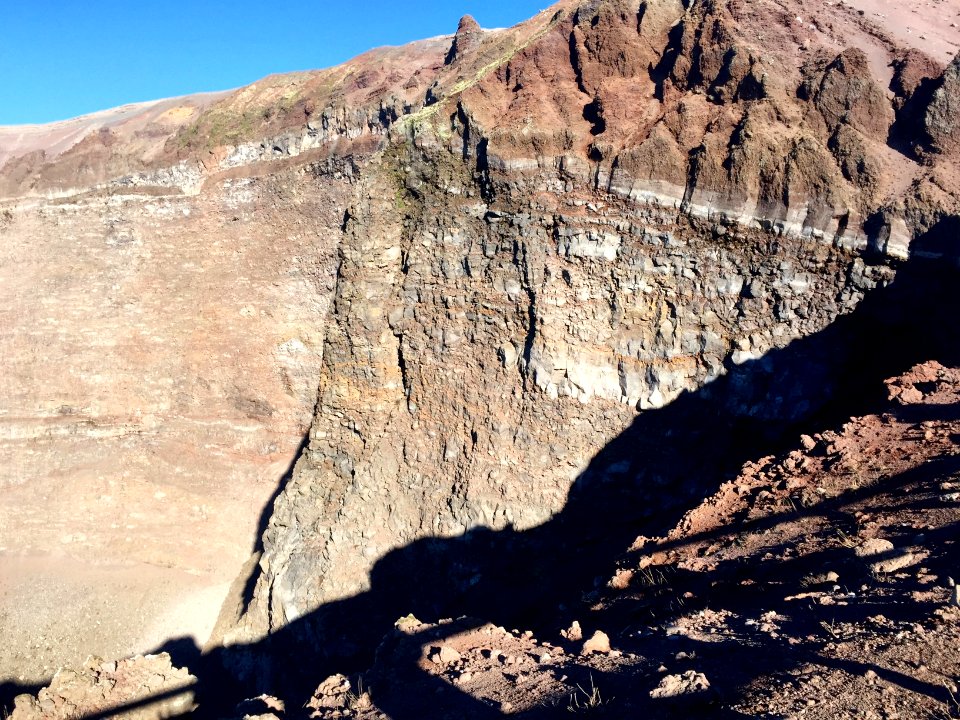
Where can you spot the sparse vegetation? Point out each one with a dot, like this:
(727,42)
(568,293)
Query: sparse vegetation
(223,125)
(654,576)
(358,699)
(951,710)
(582,701)
(220,127)
(846,540)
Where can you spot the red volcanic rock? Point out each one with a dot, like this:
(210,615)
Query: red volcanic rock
(846,93)
(467,38)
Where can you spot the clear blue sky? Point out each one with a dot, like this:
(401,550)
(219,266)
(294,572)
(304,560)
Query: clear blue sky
(62,58)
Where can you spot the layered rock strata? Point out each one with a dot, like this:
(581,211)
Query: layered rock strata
(161,357)
(494,252)
(628,205)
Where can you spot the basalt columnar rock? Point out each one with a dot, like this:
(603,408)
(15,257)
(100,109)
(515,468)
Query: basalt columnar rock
(465,266)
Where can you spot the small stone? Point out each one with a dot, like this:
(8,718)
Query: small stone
(408,624)
(444,655)
(334,685)
(873,546)
(574,633)
(675,685)
(598,643)
(895,563)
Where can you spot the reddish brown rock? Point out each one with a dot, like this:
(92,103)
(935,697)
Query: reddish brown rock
(151,687)
(467,39)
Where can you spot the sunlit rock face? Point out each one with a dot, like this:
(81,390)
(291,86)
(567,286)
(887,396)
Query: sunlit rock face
(596,212)
(161,356)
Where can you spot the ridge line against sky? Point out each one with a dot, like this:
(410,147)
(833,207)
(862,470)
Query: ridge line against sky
(61,59)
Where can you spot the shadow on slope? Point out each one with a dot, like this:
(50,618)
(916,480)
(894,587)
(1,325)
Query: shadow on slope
(765,584)
(641,483)
(9,690)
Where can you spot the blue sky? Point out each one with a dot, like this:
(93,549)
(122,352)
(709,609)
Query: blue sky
(62,58)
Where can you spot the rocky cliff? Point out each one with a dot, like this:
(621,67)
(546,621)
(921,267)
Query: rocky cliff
(612,205)
(470,266)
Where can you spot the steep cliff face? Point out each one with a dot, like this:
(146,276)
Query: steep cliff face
(161,357)
(623,203)
(481,354)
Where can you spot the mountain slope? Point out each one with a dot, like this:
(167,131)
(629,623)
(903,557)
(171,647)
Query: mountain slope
(528,292)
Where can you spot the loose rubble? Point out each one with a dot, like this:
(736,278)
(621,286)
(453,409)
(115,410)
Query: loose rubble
(144,687)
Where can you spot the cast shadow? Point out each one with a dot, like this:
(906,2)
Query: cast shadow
(9,690)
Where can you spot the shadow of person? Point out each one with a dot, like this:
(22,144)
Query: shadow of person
(183,651)
(641,483)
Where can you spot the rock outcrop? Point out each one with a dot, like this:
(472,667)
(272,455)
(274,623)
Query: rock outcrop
(140,688)
(467,38)
(940,121)
(630,204)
